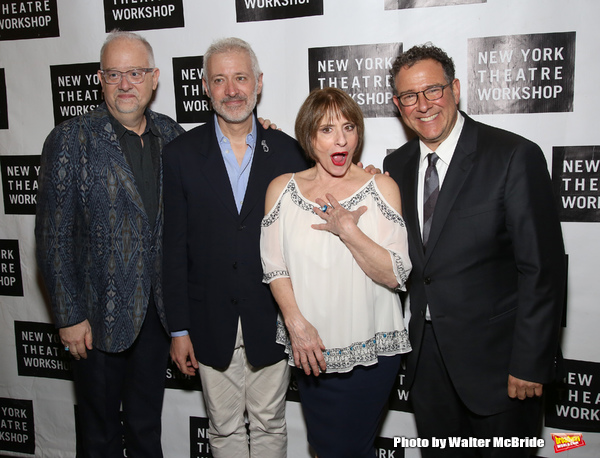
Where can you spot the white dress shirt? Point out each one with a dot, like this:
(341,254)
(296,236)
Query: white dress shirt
(445,151)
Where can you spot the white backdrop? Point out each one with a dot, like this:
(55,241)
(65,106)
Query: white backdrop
(46,420)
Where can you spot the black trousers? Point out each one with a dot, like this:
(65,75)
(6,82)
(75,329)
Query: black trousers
(133,380)
(440,413)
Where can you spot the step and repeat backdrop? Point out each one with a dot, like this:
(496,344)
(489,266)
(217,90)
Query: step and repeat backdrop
(529,66)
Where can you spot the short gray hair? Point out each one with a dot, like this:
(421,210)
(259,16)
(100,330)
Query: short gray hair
(122,35)
(233,44)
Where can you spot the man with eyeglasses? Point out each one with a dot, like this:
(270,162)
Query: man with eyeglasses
(99,230)
(487,285)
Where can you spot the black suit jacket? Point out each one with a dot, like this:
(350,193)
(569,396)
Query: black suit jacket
(494,271)
(212,267)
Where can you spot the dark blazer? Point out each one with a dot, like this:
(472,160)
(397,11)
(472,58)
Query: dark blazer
(213,271)
(95,248)
(494,271)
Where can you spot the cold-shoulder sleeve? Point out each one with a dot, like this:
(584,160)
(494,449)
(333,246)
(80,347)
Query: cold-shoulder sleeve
(392,236)
(271,253)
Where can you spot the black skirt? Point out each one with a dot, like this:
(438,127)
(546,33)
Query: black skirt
(343,411)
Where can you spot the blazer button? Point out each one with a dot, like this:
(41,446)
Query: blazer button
(234,301)
(427,280)
(235,265)
(241,228)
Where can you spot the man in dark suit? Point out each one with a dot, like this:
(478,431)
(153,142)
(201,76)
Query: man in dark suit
(99,232)
(223,317)
(487,285)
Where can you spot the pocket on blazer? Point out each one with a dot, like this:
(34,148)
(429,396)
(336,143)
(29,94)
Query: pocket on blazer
(503,315)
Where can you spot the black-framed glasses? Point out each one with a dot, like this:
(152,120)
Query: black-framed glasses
(408,99)
(134,76)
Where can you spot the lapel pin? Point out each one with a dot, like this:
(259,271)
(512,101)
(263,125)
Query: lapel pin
(264,145)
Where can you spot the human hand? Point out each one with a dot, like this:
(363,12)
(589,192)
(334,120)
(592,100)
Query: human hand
(77,339)
(266,123)
(338,220)
(307,346)
(371,169)
(518,388)
(182,354)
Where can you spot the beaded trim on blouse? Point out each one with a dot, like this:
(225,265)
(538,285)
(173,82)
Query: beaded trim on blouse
(358,354)
(355,200)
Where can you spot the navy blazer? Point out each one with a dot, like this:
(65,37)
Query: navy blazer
(212,265)
(95,248)
(493,274)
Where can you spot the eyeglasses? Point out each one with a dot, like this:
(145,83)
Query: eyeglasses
(134,76)
(409,99)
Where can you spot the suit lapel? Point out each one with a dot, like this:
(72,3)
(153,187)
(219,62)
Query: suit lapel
(410,211)
(460,167)
(214,170)
(117,162)
(260,176)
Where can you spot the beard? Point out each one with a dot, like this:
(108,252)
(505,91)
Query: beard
(131,105)
(235,115)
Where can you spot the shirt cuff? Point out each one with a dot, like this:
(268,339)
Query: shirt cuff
(179,333)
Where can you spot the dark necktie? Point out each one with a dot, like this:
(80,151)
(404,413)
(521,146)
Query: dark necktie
(430,195)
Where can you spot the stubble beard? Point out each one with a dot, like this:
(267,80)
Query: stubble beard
(236,116)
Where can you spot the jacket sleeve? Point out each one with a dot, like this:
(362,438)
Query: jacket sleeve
(175,256)
(534,228)
(56,224)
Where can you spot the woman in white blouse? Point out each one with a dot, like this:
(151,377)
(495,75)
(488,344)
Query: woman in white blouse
(335,251)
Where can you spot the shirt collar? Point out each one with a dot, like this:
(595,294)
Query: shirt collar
(150,126)
(250,138)
(445,150)
(121,130)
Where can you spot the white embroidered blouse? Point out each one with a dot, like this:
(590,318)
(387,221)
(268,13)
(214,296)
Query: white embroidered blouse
(357,318)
